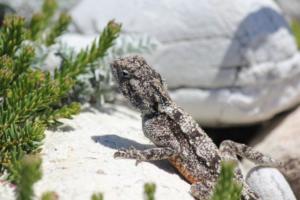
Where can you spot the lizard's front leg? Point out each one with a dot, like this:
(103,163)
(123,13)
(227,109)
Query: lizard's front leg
(159,153)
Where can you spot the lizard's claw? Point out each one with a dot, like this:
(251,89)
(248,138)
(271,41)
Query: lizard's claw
(121,153)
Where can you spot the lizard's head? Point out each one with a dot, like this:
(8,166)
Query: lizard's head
(139,83)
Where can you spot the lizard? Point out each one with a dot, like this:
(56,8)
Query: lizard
(176,135)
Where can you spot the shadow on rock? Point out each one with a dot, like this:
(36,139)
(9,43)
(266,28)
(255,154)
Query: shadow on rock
(63,128)
(116,142)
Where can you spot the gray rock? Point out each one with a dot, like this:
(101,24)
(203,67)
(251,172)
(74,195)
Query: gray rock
(27,7)
(6,190)
(224,62)
(290,7)
(269,184)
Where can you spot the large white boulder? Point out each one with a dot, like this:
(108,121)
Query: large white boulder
(226,62)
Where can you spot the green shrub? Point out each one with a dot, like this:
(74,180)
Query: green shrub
(227,188)
(97,196)
(32,99)
(29,172)
(149,191)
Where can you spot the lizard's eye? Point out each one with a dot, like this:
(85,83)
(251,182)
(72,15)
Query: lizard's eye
(125,74)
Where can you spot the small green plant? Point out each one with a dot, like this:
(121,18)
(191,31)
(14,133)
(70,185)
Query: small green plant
(97,196)
(49,196)
(149,191)
(227,188)
(28,172)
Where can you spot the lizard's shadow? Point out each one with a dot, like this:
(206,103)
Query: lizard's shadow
(116,142)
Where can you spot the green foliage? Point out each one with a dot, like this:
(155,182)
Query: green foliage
(32,99)
(75,65)
(40,20)
(295,25)
(12,35)
(42,26)
(227,188)
(87,62)
(97,85)
(49,196)
(58,28)
(149,191)
(97,196)
(29,172)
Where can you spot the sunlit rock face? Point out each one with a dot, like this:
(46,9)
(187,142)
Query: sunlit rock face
(226,63)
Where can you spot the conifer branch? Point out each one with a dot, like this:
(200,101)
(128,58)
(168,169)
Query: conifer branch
(12,35)
(32,99)
(58,28)
(41,20)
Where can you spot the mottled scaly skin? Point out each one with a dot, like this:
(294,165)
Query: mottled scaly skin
(177,137)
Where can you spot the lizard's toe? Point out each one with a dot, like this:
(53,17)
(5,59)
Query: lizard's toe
(119,154)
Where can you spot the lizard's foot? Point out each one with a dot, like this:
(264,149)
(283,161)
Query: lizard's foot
(130,153)
(159,153)
(125,153)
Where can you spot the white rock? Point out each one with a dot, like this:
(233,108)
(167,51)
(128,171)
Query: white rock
(223,61)
(269,184)
(78,160)
(6,190)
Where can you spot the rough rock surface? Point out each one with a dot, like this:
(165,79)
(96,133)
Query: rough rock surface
(224,64)
(6,190)
(78,159)
(283,143)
